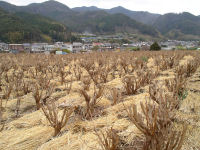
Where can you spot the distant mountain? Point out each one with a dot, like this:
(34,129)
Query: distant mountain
(9,7)
(178,35)
(24,27)
(42,8)
(140,16)
(85,9)
(96,22)
(115,20)
(49,8)
(185,23)
(102,22)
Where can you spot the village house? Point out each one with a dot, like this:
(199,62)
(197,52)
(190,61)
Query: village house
(74,47)
(106,46)
(16,48)
(68,46)
(3,46)
(27,47)
(49,48)
(145,47)
(60,46)
(115,45)
(87,47)
(38,47)
(77,47)
(97,44)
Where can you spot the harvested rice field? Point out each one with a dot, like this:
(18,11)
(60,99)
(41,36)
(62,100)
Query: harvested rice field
(100,101)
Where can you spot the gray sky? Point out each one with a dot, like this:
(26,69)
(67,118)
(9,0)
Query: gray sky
(154,6)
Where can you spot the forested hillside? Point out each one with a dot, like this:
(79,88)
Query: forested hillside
(183,26)
(98,22)
(185,22)
(24,27)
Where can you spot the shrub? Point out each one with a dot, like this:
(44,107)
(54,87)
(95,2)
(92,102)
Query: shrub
(131,85)
(95,48)
(109,140)
(167,100)
(177,86)
(115,96)
(52,114)
(155,124)
(61,72)
(135,49)
(42,91)
(66,50)
(77,72)
(86,83)
(68,85)
(1,115)
(145,59)
(155,47)
(91,101)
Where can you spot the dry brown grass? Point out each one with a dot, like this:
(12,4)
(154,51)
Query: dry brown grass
(29,80)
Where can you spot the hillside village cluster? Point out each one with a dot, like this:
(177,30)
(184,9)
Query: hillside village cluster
(76,47)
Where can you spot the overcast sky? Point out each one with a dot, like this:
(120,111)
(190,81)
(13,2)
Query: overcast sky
(154,6)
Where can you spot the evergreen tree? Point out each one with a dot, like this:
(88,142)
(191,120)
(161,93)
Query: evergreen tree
(155,47)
